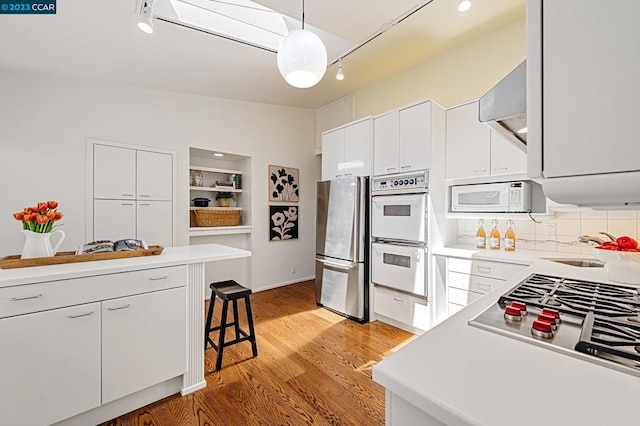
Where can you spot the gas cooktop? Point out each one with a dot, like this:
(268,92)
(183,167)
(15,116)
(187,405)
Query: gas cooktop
(594,321)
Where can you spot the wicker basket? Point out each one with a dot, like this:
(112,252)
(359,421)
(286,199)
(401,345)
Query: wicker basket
(222,217)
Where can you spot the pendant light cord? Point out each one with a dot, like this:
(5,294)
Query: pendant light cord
(303,14)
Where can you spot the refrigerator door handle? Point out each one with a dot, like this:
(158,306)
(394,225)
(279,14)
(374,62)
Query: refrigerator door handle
(337,265)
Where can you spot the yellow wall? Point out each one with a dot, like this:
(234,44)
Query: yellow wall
(458,75)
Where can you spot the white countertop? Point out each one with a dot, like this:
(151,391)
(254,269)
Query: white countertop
(525,257)
(464,375)
(170,256)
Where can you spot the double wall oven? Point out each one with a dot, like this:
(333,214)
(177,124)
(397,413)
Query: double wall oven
(399,232)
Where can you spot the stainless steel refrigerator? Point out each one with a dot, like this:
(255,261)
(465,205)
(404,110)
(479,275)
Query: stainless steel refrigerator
(342,246)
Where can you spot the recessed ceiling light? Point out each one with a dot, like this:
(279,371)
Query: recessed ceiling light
(464,5)
(218,154)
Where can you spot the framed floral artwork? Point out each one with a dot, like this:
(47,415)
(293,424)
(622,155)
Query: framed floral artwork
(284,184)
(283,223)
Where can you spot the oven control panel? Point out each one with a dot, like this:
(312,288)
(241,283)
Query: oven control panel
(418,181)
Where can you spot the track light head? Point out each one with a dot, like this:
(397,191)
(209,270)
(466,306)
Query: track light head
(340,74)
(145,23)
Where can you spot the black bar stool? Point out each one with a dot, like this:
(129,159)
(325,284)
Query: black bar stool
(229,291)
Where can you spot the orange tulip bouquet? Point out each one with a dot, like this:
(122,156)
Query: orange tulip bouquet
(40,218)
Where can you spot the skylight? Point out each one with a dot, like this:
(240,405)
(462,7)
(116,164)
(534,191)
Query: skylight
(243,21)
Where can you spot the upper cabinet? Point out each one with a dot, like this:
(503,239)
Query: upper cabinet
(114,173)
(474,150)
(402,139)
(154,171)
(346,151)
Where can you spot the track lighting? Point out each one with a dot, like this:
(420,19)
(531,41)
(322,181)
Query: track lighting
(302,57)
(464,5)
(145,23)
(340,74)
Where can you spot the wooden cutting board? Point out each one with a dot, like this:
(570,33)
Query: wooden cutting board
(14,261)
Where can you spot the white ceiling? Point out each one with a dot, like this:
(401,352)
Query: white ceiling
(99,40)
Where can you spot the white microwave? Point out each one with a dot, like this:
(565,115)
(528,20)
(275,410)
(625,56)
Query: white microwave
(504,197)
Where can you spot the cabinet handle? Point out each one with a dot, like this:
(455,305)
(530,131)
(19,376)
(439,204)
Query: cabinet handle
(405,167)
(127,195)
(17,299)
(127,204)
(484,269)
(501,168)
(164,277)
(480,171)
(145,196)
(390,168)
(397,299)
(117,308)
(348,174)
(145,204)
(86,314)
(484,287)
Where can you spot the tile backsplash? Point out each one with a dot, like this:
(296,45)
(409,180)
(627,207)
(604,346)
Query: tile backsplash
(559,231)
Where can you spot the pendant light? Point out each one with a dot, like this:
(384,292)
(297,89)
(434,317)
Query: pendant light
(302,57)
(145,23)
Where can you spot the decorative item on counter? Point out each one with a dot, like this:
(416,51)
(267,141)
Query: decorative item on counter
(481,235)
(37,226)
(510,237)
(196,178)
(494,237)
(622,259)
(224,198)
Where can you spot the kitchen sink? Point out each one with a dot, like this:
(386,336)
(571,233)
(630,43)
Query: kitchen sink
(582,263)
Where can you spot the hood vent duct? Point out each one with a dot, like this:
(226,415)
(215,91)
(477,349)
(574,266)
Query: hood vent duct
(504,107)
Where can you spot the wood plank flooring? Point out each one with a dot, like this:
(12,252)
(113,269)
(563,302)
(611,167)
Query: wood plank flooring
(313,367)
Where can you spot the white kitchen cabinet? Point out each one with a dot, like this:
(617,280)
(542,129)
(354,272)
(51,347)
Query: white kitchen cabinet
(154,174)
(402,139)
(402,310)
(143,341)
(153,222)
(115,220)
(114,172)
(386,140)
(468,280)
(346,151)
(123,177)
(50,365)
(474,150)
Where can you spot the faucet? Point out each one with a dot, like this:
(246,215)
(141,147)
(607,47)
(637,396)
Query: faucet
(587,238)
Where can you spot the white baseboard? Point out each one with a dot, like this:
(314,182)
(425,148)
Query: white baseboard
(193,388)
(282,284)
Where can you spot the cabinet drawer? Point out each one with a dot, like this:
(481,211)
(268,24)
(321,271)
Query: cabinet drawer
(473,283)
(29,298)
(484,268)
(462,297)
(401,307)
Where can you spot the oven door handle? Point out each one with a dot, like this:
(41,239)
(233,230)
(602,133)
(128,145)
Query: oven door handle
(405,199)
(337,265)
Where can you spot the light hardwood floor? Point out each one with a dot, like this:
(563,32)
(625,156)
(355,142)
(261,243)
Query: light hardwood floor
(313,367)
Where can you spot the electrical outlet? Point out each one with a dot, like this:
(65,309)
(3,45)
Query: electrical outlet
(293,270)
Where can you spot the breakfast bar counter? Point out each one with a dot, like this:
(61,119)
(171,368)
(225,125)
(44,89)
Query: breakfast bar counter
(104,337)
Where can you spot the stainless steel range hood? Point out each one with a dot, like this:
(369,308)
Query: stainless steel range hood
(504,107)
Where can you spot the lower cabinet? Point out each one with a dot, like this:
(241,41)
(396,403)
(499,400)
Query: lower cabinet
(61,362)
(143,341)
(50,365)
(407,312)
(468,280)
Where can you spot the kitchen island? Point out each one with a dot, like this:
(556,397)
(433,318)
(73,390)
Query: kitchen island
(86,342)
(456,374)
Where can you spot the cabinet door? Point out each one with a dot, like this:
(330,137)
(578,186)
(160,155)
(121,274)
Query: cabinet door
(332,154)
(154,222)
(114,172)
(415,140)
(154,176)
(114,219)
(50,365)
(467,143)
(357,149)
(386,139)
(506,158)
(144,341)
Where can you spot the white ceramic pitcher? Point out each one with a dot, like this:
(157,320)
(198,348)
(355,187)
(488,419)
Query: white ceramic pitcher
(39,245)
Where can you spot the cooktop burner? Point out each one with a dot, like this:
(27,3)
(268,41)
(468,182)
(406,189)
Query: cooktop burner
(594,321)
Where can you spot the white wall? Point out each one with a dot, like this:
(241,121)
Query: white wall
(45,123)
